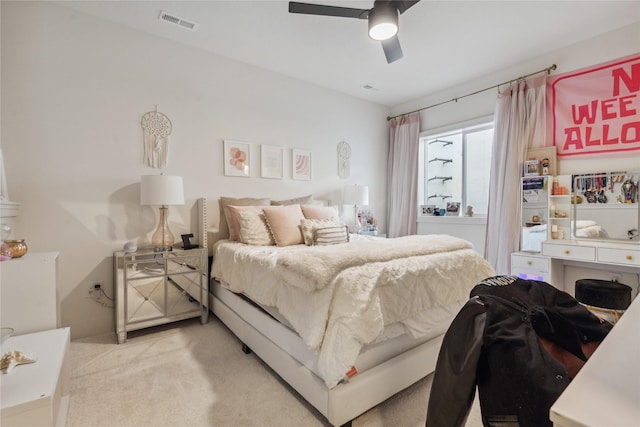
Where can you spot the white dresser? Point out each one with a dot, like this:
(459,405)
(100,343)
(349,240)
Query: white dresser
(29,293)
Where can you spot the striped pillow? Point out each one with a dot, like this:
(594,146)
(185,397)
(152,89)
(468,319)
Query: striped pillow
(331,235)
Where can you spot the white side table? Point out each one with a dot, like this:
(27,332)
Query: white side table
(37,394)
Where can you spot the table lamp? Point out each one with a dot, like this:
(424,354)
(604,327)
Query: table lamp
(162,190)
(356,195)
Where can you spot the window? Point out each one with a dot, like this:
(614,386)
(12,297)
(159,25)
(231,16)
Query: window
(455,170)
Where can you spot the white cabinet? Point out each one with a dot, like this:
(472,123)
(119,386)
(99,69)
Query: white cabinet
(37,394)
(29,293)
(531,266)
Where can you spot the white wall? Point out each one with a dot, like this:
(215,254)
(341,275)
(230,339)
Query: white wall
(74,89)
(616,44)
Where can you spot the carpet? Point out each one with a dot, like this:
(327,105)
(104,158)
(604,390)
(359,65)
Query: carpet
(188,374)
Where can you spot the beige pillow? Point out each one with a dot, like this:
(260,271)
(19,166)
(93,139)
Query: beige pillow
(331,235)
(225,218)
(284,224)
(254,229)
(321,212)
(309,227)
(297,201)
(234,223)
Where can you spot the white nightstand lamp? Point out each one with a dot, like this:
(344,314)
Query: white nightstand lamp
(162,190)
(356,195)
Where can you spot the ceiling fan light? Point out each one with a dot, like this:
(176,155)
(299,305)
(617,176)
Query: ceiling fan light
(383,22)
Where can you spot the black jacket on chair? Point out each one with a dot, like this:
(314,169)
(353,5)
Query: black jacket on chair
(493,343)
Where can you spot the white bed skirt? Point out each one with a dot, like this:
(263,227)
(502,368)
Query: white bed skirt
(374,384)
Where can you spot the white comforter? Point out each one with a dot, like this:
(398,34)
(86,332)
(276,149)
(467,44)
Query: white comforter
(340,297)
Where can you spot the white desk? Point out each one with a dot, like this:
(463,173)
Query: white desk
(603,255)
(606,392)
(37,394)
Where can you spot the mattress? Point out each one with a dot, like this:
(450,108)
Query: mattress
(393,341)
(339,299)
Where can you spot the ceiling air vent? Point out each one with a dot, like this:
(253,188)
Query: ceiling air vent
(173,19)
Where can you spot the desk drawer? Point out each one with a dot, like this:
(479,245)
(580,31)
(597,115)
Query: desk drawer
(528,262)
(575,252)
(619,256)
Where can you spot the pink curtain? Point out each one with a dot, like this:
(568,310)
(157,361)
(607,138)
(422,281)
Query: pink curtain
(519,123)
(402,176)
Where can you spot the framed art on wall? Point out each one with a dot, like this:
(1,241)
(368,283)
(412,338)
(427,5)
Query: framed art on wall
(271,162)
(301,160)
(236,158)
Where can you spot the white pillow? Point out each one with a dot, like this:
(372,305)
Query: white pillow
(309,226)
(321,212)
(254,229)
(331,235)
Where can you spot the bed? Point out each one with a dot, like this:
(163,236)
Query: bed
(347,325)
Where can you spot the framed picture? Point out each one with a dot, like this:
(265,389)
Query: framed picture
(237,159)
(271,162)
(531,168)
(427,209)
(301,160)
(453,208)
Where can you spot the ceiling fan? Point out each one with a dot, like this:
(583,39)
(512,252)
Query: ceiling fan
(382,17)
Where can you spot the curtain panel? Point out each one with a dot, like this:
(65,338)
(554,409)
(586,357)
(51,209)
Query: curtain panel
(402,176)
(519,124)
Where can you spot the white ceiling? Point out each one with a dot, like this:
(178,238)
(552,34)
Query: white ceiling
(444,42)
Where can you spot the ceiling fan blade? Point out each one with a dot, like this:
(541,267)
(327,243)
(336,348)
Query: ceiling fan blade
(318,9)
(404,5)
(392,49)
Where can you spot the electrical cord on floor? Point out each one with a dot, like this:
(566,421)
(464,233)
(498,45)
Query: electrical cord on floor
(98,300)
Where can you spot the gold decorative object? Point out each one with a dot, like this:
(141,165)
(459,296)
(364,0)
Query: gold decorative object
(11,359)
(18,247)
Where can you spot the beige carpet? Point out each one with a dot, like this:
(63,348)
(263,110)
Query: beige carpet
(188,374)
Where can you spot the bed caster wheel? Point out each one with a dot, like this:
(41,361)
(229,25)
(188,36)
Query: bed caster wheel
(246,349)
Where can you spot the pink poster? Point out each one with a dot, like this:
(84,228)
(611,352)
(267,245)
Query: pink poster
(595,110)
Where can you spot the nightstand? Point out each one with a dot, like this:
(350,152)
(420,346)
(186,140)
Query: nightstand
(154,288)
(372,234)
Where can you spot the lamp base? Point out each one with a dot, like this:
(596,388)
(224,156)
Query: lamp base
(162,239)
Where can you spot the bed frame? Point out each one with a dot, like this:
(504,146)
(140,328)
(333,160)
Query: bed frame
(341,404)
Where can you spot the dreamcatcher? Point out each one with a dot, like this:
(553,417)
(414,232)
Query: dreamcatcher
(157,128)
(344,153)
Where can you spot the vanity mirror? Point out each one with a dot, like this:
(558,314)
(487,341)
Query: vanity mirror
(605,206)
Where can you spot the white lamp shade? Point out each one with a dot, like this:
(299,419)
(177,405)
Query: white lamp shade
(356,195)
(161,190)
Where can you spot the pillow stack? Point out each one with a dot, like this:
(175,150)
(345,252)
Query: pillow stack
(289,222)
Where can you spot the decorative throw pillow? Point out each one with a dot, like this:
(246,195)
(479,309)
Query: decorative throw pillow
(309,226)
(225,218)
(254,229)
(331,235)
(234,223)
(284,224)
(297,201)
(321,212)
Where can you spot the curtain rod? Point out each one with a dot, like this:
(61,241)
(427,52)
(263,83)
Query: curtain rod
(547,70)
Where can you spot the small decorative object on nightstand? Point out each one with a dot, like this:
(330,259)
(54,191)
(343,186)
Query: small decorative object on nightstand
(153,288)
